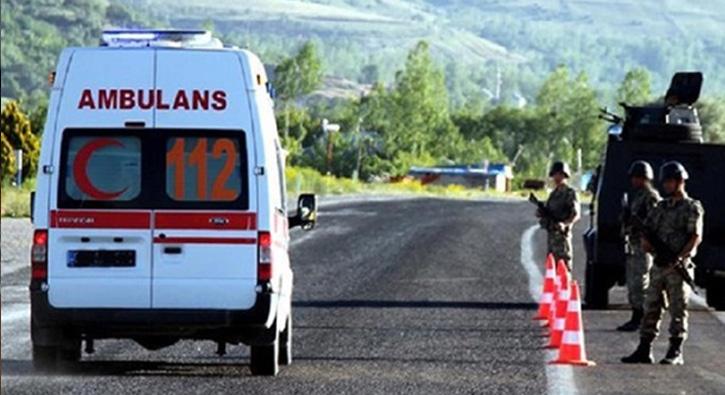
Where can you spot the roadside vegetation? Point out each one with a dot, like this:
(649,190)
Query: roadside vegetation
(15,202)
(300,180)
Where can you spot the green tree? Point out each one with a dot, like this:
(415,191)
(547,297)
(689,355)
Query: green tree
(295,77)
(300,125)
(369,74)
(37,117)
(299,75)
(635,89)
(419,122)
(17,134)
(7,158)
(567,120)
(712,117)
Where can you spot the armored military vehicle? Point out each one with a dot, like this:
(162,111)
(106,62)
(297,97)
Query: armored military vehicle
(657,134)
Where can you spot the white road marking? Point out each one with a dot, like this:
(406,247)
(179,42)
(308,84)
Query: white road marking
(701,302)
(15,330)
(19,311)
(560,378)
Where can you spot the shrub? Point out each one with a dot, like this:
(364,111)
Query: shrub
(17,133)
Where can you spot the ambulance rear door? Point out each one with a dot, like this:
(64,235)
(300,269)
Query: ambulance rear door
(99,234)
(205,223)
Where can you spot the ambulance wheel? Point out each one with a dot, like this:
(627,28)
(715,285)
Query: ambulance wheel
(54,358)
(285,339)
(44,358)
(69,354)
(264,360)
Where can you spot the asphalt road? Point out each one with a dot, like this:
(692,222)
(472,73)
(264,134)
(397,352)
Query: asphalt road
(391,296)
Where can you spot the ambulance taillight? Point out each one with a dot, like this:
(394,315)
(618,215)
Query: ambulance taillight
(39,256)
(264,268)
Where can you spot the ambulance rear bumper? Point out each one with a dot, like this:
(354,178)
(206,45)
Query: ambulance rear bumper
(124,322)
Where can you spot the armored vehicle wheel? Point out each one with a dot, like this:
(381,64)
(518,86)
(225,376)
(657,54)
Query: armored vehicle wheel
(265,359)
(596,291)
(716,294)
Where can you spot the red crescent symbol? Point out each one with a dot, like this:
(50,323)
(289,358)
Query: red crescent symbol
(80,169)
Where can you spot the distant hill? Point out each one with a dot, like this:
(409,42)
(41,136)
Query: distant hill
(487,48)
(35,31)
(525,39)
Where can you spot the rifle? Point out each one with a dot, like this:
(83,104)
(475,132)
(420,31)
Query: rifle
(663,253)
(545,212)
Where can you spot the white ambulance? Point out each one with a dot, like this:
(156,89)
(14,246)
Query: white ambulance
(160,212)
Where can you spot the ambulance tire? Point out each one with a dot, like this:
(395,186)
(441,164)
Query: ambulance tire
(285,347)
(53,348)
(56,358)
(264,360)
(44,358)
(69,354)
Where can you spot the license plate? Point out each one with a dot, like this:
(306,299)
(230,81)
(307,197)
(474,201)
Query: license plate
(102,258)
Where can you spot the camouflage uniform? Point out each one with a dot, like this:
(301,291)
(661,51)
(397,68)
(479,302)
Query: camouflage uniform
(675,222)
(638,265)
(563,203)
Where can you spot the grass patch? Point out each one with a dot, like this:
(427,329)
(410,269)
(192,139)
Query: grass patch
(301,180)
(15,202)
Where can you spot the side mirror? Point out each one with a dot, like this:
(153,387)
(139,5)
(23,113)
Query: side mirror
(306,212)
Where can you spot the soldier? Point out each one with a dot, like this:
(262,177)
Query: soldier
(640,202)
(674,230)
(563,204)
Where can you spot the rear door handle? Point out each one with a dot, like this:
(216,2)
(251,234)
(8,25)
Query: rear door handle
(172,250)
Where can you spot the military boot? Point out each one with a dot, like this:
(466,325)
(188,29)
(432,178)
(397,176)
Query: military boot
(633,323)
(674,353)
(643,353)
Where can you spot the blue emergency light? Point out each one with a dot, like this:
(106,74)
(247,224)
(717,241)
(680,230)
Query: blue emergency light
(159,38)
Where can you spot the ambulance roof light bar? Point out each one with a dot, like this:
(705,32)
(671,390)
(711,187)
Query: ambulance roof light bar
(159,38)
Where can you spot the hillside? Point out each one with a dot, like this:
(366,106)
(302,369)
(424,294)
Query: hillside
(35,31)
(485,47)
(475,38)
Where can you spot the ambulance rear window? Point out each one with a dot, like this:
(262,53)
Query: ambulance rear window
(103,168)
(153,169)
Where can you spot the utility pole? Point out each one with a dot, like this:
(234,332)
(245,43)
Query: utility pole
(329,129)
(19,165)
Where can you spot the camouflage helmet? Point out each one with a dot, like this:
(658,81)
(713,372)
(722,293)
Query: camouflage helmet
(560,167)
(673,170)
(642,169)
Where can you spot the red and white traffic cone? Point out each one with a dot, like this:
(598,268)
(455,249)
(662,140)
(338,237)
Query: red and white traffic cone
(571,350)
(562,300)
(555,297)
(547,293)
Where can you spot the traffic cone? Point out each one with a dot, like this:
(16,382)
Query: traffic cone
(562,299)
(555,298)
(571,351)
(547,293)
